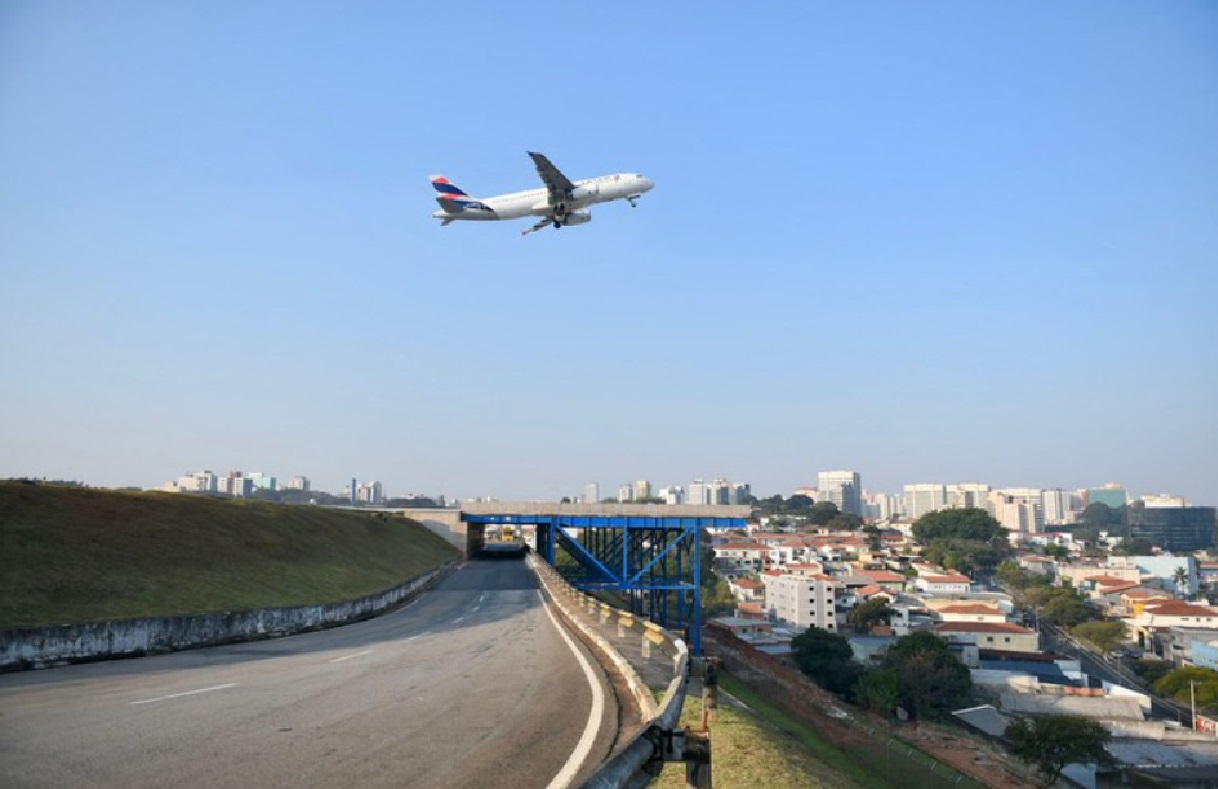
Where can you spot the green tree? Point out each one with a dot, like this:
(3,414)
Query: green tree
(1066,610)
(1059,552)
(1202,681)
(1105,636)
(827,659)
(866,615)
(878,691)
(1181,578)
(822,513)
(845,521)
(930,678)
(962,524)
(1053,741)
(1100,515)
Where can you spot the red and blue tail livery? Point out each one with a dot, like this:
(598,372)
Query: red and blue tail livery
(446,187)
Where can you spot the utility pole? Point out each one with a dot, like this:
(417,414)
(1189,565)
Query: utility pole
(1192,697)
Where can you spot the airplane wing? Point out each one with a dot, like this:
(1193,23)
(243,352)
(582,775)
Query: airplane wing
(558,185)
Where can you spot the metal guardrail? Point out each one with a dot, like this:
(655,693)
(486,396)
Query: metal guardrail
(632,766)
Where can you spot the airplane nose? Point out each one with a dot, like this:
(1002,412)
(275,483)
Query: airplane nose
(648,184)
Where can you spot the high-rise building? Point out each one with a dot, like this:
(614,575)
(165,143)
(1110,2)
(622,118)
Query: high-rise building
(642,490)
(698,493)
(1058,507)
(673,494)
(923,498)
(198,482)
(1019,510)
(261,481)
(592,493)
(1111,494)
(625,493)
(1163,500)
(1174,528)
(843,488)
(969,495)
(371,493)
(299,483)
(881,506)
(801,600)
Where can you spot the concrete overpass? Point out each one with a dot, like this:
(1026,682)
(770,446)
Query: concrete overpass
(451,523)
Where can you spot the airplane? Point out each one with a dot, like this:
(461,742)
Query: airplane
(561,202)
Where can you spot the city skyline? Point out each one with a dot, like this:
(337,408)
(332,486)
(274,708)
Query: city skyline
(957,242)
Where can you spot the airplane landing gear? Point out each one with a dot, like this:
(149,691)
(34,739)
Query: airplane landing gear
(633,200)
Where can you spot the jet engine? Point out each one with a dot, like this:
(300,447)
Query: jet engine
(577,218)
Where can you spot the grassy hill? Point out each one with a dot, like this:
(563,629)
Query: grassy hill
(74,555)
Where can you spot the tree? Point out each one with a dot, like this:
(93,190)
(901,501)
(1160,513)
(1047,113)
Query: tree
(1059,552)
(827,659)
(962,524)
(1053,741)
(1105,636)
(1188,684)
(1101,515)
(878,691)
(1181,577)
(930,678)
(845,521)
(867,615)
(822,513)
(1066,610)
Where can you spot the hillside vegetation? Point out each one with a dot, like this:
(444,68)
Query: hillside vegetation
(72,555)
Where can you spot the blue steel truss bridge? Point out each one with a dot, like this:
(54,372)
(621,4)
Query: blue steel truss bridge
(650,555)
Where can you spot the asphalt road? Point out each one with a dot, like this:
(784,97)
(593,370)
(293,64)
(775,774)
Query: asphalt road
(472,685)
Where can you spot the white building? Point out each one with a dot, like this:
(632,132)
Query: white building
(1058,506)
(1019,510)
(923,498)
(843,488)
(698,493)
(642,489)
(969,495)
(262,481)
(299,483)
(592,493)
(625,493)
(674,494)
(198,482)
(802,600)
(371,493)
(1164,500)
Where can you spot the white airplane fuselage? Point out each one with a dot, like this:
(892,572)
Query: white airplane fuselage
(535,202)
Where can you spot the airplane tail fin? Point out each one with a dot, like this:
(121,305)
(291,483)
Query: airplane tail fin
(446,188)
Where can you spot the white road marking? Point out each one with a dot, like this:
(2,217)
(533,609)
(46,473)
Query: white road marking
(567,774)
(186,693)
(348,657)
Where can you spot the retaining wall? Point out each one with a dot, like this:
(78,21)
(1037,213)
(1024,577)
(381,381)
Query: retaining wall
(40,647)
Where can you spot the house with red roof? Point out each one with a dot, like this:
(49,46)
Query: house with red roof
(894,582)
(971,612)
(747,590)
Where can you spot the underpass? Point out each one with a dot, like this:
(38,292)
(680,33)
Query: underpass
(472,685)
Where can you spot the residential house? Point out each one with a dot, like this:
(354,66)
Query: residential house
(991,635)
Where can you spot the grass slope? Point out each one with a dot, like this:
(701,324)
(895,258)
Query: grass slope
(75,555)
(760,749)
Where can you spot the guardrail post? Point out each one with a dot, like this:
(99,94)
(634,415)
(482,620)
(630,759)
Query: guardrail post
(697,760)
(710,693)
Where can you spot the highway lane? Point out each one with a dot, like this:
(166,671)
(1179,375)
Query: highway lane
(472,685)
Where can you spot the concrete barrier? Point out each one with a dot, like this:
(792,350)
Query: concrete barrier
(40,647)
(624,768)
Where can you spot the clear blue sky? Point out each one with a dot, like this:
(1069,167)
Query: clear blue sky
(940,241)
